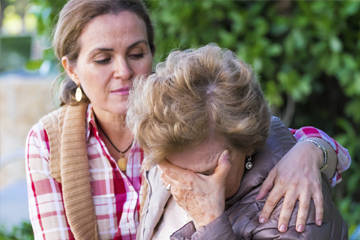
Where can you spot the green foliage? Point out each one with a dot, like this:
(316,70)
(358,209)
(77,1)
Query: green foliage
(305,52)
(22,232)
(14,50)
(33,64)
(288,44)
(46,12)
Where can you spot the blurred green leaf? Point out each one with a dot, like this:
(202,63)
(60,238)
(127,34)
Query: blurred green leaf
(335,44)
(33,64)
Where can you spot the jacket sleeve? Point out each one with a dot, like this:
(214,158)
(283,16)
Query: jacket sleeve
(219,229)
(46,206)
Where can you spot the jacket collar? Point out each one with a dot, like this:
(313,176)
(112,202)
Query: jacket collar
(265,160)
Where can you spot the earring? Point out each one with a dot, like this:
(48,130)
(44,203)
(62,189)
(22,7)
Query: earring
(78,94)
(249,164)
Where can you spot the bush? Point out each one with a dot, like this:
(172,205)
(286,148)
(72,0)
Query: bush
(22,232)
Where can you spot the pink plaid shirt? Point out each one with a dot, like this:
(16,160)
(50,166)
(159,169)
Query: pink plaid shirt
(115,195)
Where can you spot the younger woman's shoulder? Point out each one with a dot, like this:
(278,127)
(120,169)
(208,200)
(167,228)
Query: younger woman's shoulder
(53,116)
(38,132)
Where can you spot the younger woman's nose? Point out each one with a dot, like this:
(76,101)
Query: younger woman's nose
(122,70)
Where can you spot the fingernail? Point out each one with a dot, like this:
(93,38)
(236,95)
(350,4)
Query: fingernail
(300,228)
(262,220)
(319,222)
(282,228)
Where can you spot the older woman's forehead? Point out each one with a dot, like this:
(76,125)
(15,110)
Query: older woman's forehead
(199,158)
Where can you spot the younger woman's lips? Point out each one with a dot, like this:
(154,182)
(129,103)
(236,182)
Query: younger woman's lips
(121,91)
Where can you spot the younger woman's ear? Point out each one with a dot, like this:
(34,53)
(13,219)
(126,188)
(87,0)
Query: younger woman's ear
(70,70)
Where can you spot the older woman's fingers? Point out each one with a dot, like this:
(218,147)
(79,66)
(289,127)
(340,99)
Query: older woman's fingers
(275,195)
(319,207)
(166,179)
(286,210)
(267,185)
(304,205)
(171,170)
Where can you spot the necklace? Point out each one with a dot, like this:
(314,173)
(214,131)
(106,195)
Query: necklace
(122,162)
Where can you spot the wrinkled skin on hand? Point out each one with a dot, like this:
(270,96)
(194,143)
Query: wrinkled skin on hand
(201,196)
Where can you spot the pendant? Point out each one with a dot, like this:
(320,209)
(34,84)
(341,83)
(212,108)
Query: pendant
(122,163)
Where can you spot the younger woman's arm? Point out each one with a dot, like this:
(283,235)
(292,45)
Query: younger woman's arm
(297,177)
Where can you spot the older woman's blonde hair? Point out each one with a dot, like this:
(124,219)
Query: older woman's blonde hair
(196,94)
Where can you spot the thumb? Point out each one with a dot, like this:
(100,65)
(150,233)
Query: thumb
(266,186)
(224,166)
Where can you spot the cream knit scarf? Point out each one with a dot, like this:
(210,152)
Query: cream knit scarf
(66,129)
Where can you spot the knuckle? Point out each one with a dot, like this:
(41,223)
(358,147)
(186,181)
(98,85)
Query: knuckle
(264,213)
(320,212)
(288,205)
(306,185)
(306,196)
(166,171)
(191,185)
(271,201)
(281,182)
(284,220)
(304,205)
(174,189)
(319,202)
(317,187)
(187,176)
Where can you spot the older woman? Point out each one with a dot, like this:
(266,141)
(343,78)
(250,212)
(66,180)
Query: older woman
(202,119)
(83,167)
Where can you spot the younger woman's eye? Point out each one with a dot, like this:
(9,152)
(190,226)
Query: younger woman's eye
(102,61)
(137,56)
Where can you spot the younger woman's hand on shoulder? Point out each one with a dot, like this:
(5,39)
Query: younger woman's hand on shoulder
(295,177)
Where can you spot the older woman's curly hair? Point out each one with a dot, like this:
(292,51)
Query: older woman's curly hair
(196,94)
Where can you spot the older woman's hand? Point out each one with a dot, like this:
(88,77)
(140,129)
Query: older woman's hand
(201,196)
(295,177)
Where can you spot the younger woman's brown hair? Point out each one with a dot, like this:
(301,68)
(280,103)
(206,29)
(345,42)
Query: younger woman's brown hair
(74,16)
